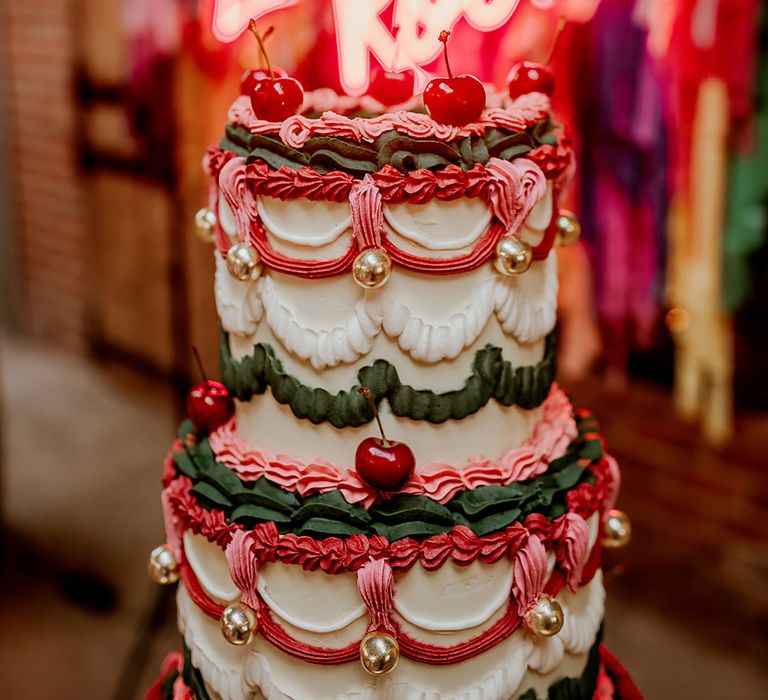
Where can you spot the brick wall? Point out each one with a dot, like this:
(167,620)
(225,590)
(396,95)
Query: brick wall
(47,216)
(700,543)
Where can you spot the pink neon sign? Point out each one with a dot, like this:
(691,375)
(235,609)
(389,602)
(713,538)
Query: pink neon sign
(360,32)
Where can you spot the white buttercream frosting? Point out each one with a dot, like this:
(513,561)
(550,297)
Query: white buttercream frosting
(503,672)
(524,315)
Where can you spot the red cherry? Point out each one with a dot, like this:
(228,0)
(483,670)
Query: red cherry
(385,465)
(209,405)
(528,76)
(276,99)
(456,101)
(391,88)
(250,77)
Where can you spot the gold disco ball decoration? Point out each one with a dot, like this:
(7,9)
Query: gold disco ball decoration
(242,261)
(547,618)
(162,566)
(379,653)
(238,624)
(372,268)
(617,530)
(513,256)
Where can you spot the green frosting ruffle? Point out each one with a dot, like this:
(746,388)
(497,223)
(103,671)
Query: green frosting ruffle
(491,377)
(405,153)
(484,510)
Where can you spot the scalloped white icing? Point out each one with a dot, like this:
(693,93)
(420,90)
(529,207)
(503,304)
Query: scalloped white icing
(454,225)
(503,672)
(314,601)
(284,220)
(209,563)
(525,308)
(452,597)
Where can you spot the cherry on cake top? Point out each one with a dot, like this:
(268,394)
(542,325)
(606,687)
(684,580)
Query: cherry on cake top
(456,99)
(273,97)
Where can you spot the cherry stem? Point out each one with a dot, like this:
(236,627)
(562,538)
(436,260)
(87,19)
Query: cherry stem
(365,392)
(261,39)
(200,364)
(444,39)
(560,26)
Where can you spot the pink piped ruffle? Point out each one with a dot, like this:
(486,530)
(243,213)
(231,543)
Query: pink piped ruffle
(440,481)
(295,131)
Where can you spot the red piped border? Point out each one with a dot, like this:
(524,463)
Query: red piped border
(415,187)
(409,647)
(336,555)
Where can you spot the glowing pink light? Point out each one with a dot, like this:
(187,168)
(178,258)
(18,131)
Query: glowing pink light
(231,17)
(360,32)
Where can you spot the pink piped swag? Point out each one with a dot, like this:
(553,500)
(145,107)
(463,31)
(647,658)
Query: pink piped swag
(244,568)
(377,589)
(511,189)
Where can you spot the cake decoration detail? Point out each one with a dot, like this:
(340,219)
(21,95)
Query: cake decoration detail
(238,624)
(513,256)
(546,618)
(512,195)
(568,227)
(205,225)
(525,318)
(455,100)
(193,477)
(385,465)
(379,650)
(209,404)
(292,549)
(506,677)
(162,566)
(250,77)
(272,98)
(437,480)
(373,266)
(530,77)
(617,530)
(491,377)
(243,262)
(522,113)
(379,653)
(417,186)
(392,87)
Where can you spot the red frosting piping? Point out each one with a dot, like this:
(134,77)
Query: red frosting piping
(416,186)
(335,555)
(409,647)
(375,558)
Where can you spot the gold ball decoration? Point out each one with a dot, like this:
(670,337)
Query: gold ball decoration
(568,227)
(238,624)
(546,619)
(379,653)
(513,256)
(162,567)
(205,225)
(242,261)
(617,531)
(372,268)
